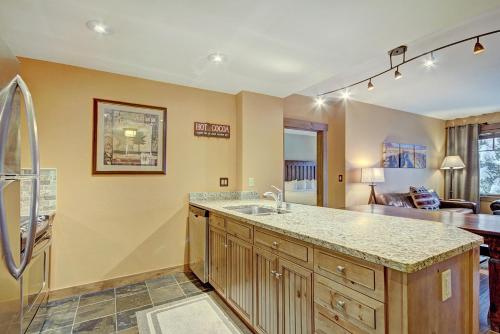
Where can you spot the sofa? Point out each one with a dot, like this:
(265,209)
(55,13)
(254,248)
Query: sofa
(404,200)
(495,207)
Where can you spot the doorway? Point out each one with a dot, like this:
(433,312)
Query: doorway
(305,155)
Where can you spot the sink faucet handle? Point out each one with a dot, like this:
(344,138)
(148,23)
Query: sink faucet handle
(277,189)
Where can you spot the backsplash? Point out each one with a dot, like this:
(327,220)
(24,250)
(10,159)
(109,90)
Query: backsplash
(223,195)
(48,192)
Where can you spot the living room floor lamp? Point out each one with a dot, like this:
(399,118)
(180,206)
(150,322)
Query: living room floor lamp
(452,162)
(372,176)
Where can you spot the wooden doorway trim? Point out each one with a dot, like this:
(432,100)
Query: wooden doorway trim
(321,130)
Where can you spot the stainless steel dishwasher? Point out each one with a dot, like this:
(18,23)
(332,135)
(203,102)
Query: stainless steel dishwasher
(198,242)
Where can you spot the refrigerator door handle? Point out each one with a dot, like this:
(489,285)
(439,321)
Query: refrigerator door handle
(5,115)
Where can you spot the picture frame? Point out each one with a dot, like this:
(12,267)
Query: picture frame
(406,156)
(128,138)
(390,155)
(420,156)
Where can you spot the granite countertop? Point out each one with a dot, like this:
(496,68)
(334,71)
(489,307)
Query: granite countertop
(403,244)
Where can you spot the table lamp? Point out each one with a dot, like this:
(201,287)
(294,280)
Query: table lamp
(372,176)
(452,162)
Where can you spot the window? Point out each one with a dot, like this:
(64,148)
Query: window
(489,161)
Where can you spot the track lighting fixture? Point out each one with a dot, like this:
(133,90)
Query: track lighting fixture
(370,85)
(478,47)
(401,51)
(431,61)
(346,94)
(397,74)
(319,101)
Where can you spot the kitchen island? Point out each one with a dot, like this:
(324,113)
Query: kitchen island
(323,270)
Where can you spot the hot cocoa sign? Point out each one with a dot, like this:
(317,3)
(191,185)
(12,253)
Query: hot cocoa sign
(202,129)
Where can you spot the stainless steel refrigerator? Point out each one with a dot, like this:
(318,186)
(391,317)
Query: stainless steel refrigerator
(15,99)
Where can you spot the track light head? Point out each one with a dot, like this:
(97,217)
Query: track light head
(397,74)
(431,61)
(370,85)
(319,101)
(346,94)
(478,47)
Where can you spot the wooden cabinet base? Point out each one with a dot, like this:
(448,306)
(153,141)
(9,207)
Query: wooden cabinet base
(415,301)
(279,285)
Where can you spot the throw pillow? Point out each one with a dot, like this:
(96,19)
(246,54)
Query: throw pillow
(424,199)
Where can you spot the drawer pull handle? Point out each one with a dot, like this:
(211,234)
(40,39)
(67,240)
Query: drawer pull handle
(340,304)
(275,244)
(276,274)
(341,269)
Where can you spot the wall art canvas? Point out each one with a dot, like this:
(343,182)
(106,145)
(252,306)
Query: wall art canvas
(129,138)
(391,155)
(406,156)
(420,156)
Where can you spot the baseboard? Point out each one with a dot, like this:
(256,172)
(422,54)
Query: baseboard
(114,282)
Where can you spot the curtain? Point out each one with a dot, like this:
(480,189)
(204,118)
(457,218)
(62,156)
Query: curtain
(463,141)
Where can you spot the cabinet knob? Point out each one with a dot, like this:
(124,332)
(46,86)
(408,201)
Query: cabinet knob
(340,304)
(275,244)
(341,269)
(226,245)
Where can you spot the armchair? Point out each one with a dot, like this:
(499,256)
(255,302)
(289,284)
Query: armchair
(495,207)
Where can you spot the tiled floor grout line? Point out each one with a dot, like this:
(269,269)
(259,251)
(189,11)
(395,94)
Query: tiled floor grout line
(76,311)
(116,311)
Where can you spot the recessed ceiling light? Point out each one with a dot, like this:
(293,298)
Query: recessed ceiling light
(99,27)
(217,58)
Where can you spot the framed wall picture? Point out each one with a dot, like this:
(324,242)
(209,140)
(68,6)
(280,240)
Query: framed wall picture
(128,138)
(420,156)
(406,156)
(390,155)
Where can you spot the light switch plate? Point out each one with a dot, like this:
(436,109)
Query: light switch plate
(446,285)
(223,182)
(251,182)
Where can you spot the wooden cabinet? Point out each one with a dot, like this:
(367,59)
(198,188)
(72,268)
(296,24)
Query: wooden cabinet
(295,301)
(239,277)
(265,291)
(217,260)
(280,285)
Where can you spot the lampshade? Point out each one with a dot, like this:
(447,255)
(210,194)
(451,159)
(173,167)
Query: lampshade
(452,162)
(372,175)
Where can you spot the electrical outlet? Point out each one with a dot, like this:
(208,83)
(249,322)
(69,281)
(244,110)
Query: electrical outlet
(446,285)
(251,182)
(223,182)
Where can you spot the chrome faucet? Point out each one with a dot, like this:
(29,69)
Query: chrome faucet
(278,197)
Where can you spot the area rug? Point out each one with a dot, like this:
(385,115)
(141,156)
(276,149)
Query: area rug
(204,313)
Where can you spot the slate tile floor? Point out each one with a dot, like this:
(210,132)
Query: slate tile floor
(113,310)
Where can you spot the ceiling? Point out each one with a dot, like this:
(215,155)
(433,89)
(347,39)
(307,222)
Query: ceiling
(277,47)
(460,84)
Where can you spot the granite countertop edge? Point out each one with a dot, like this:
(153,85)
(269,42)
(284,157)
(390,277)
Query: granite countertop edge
(407,267)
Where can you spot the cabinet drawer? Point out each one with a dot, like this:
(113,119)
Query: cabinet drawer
(239,230)
(288,248)
(349,306)
(367,278)
(217,221)
(324,325)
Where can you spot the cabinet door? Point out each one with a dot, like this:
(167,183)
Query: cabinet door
(217,257)
(239,276)
(295,302)
(265,292)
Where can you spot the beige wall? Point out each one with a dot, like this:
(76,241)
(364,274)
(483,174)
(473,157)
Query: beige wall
(260,141)
(111,226)
(368,126)
(303,108)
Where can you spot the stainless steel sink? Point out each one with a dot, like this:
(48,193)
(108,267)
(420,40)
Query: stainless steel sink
(256,210)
